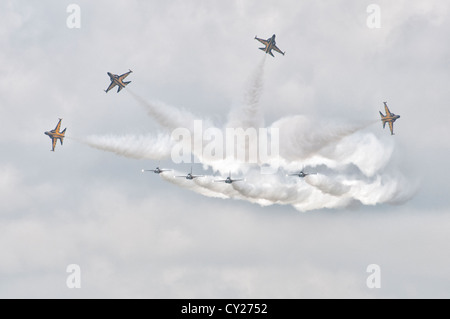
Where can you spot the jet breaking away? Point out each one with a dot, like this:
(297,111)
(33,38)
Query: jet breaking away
(389,118)
(269,45)
(118,80)
(56,135)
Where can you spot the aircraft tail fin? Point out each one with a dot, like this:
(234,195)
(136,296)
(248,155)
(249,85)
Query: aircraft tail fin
(64,131)
(126,83)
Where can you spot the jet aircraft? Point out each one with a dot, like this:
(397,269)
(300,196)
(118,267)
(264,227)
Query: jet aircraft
(389,118)
(56,135)
(302,174)
(269,45)
(157,170)
(229,180)
(190,175)
(118,80)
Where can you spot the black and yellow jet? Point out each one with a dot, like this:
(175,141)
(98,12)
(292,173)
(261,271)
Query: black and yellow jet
(389,118)
(118,80)
(56,135)
(269,45)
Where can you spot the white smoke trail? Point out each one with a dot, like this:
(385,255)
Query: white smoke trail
(165,115)
(137,147)
(194,185)
(302,137)
(249,114)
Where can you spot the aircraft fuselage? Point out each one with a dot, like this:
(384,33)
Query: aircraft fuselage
(271,44)
(115,78)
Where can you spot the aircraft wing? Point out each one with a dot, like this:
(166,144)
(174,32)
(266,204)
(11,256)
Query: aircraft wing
(58,126)
(53,143)
(220,180)
(278,50)
(265,42)
(110,86)
(237,180)
(195,176)
(388,113)
(391,126)
(123,76)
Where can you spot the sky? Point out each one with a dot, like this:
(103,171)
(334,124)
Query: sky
(377,199)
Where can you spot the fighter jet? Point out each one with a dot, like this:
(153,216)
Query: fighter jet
(229,180)
(56,135)
(190,176)
(157,170)
(302,174)
(388,118)
(269,45)
(118,80)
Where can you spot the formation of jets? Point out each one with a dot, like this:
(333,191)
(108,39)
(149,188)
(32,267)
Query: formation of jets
(227,180)
(56,135)
(269,45)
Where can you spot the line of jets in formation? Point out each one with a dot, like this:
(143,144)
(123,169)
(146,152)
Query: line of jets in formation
(269,45)
(228,180)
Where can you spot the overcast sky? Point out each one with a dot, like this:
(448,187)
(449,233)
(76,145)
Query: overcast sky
(147,236)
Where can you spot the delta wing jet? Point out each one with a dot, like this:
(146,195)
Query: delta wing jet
(118,80)
(389,118)
(229,180)
(56,135)
(269,45)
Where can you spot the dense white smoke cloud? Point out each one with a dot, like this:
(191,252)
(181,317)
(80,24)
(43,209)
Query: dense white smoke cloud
(350,161)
